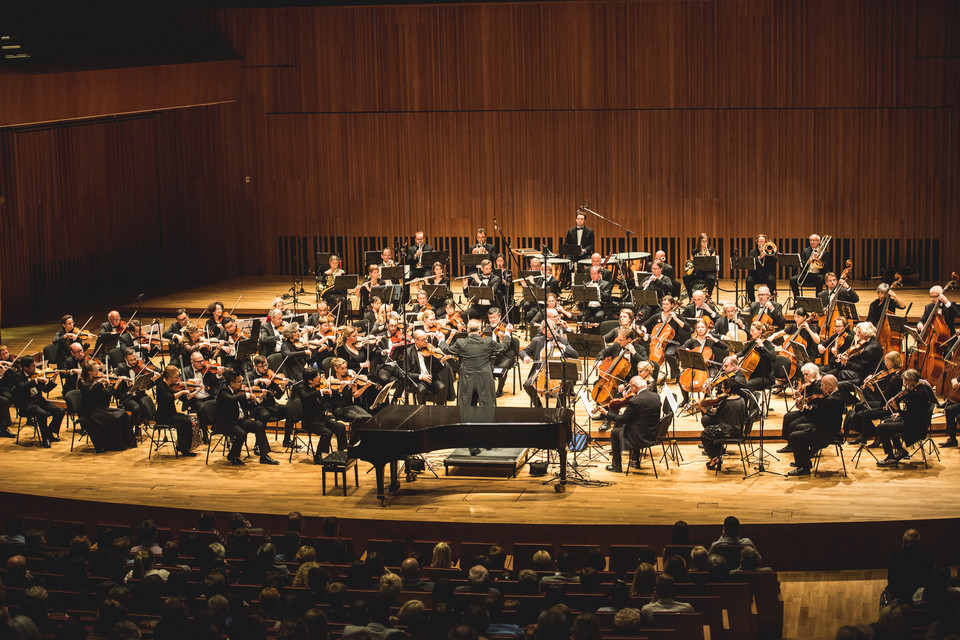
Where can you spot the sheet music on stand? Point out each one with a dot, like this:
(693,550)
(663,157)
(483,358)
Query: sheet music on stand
(581,278)
(395,274)
(473,259)
(386,293)
(564,370)
(898,324)
(106,343)
(691,360)
(369,258)
(570,251)
(533,294)
(743,263)
(142,381)
(429,257)
(478,294)
(583,293)
(791,260)
(848,310)
(735,346)
(345,282)
(646,297)
(299,318)
(706,263)
(812,305)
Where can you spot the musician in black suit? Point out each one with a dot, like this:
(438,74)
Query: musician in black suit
(669,271)
(803,398)
(876,307)
(180,322)
(910,423)
(839,288)
(270,333)
(820,427)
(946,309)
(63,338)
(657,281)
(709,277)
(505,361)
(729,324)
(232,419)
(482,245)
(700,308)
(636,425)
(764,307)
(812,277)
(73,366)
(168,392)
(131,370)
(552,341)
(580,235)
(112,325)
(30,403)
(296,357)
(425,369)
(316,419)
(486,278)
(762,376)
(476,371)
(418,266)
(681,328)
(625,340)
(596,310)
(208,384)
(726,420)
(544,280)
(268,409)
(596,260)
(877,392)
(766,271)
(854,367)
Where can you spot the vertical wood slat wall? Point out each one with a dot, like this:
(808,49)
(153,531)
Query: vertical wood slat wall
(670,116)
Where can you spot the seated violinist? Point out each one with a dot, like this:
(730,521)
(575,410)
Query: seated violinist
(500,330)
(884,291)
(294,353)
(766,310)
(67,335)
(549,343)
(271,386)
(169,390)
(819,426)
(270,338)
(134,338)
(910,420)
(112,325)
(232,419)
(433,328)
(422,304)
(861,359)
(205,380)
(425,365)
(313,393)
(758,358)
(131,371)
(636,425)
(805,395)
(723,421)
(109,429)
(215,322)
(665,330)
(193,342)
(229,337)
(347,386)
(877,389)
(27,388)
(175,330)
(72,368)
(323,342)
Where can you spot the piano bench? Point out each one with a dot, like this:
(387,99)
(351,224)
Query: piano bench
(338,463)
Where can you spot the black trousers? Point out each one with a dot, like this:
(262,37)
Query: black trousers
(265,413)
(803,441)
(755,280)
(952,412)
(863,416)
(707,278)
(810,280)
(894,434)
(325,429)
(42,409)
(238,434)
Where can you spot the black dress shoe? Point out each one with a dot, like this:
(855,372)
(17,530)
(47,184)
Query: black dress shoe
(256,449)
(6,433)
(188,454)
(267,460)
(876,444)
(317,458)
(802,471)
(54,437)
(604,426)
(785,450)
(949,442)
(500,393)
(901,454)
(237,462)
(887,462)
(614,468)
(475,451)
(45,443)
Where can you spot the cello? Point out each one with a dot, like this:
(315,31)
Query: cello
(890,339)
(928,358)
(662,335)
(612,372)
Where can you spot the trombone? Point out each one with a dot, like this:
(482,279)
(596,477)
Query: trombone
(815,261)
(769,249)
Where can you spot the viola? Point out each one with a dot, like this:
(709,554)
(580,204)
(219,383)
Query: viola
(432,351)
(871,381)
(618,403)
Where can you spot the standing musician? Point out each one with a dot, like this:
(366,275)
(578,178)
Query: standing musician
(804,397)
(215,322)
(580,235)
(65,336)
(169,390)
(486,278)
(819,427)
(316,419)
(724,421)
(73,366)
(109,429)
(233,421)
(730,326)
(762,376)
(129,371)
(551,341)
(840,288)
(272,386)
(482,245)
(670,272)
(177,327)
(910,420)
(207,382)
(764,308)
(425,364)
(112,325)
(669,317)
(813,277)
(878,389)
(295,354)
(636,425)
(270,337)
(418,268)
(701,339)
(27,391)
(699,308)
(947,309)
(876,307)
(505,361)
(766,271)
(708,278)
(476,371)
(593,311)
(348,387)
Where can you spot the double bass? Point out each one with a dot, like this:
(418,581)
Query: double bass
(886,336)
(951,370)
(928,358)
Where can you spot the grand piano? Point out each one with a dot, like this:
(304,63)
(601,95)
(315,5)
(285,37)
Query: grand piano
(399,431)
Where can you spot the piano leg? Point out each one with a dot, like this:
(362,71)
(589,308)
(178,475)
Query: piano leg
(378,468)
(394,481)
(561,486)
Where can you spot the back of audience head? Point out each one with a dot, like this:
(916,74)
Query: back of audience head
(315,621)
(681,533)
(647,554)
(477,616)
(665,588)
(496,558)
(591,581)
(462,632)
(330,527)
(478,577)
(551,625)
(586,626)
(206,521)
(566,563)
(442,556)
(911,539)
(295,521)
(626,622)
(390,585)
(698,559)
(731,526)
(676,567)
(644,579)
(542,560)
(749,559)
(529,581)
(596,559)
(717,570)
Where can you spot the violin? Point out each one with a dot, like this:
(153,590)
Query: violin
(871,380)
(618,403)
(711,403)
(854,349)
(433,351)
(273,377)
(212,367)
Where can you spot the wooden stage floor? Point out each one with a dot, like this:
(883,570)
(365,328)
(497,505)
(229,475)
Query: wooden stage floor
(636,502)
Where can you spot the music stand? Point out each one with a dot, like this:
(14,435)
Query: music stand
(848,310)
(345,282)
(369,258)
(580,278)
(812,305)
(691,360)
(585,343)
(142,382)
(394,273)
(436,291)
(568,372)
(734,346)
(532,293)
(108,342)
(706,263)
(429,257)
(646,298)
(790,260)
(739,264)
(761,465)
(673,448)
(473,260)
(478,293)
(572,251)
(248,348)
(386,293)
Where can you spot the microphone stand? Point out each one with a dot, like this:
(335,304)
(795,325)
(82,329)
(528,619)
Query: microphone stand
(626,235)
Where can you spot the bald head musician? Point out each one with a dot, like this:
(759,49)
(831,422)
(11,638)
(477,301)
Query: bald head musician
(812,277)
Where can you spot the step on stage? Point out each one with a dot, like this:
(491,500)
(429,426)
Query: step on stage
(509,460)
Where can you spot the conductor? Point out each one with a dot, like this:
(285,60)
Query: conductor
(476,371)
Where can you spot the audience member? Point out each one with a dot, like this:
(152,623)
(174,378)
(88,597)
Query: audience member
(644,580)
(663,601)
(410,572)
(566,572)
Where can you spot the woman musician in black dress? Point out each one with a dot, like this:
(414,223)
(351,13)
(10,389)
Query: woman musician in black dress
(109,429)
